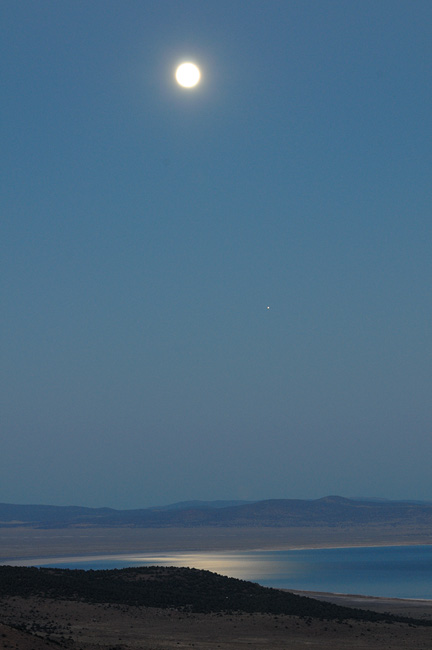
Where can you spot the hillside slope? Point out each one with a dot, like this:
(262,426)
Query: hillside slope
(328,511)
(189,590)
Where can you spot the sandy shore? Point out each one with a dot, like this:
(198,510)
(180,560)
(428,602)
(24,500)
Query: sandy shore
(414,608)
(26,543)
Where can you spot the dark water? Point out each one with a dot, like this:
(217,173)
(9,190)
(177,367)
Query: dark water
(395,571)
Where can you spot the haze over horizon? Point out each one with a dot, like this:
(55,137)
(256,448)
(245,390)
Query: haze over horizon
(223,292)
(211,504)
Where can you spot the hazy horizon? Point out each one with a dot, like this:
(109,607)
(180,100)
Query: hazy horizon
(225,502)
(223,291)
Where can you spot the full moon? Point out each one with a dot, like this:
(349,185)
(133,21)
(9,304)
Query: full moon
(188,75)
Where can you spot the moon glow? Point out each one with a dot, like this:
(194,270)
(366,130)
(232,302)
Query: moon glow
(188,75)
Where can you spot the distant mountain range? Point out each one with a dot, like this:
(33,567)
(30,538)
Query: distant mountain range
(331,511)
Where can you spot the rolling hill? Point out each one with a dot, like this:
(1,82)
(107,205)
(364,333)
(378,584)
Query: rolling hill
(328,511)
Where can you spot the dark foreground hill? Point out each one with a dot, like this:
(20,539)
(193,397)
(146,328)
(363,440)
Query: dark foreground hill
(328,511)
(189,590)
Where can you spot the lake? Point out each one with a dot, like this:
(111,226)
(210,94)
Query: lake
(392,571)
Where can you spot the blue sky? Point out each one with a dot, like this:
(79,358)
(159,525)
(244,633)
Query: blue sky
(145,229)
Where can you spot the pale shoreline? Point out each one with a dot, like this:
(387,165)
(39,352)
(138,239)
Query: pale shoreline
(29,543)
(44,559)
(309,547)
(333,595)
(26,542)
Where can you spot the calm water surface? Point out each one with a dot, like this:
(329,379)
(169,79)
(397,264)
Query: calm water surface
(395,571)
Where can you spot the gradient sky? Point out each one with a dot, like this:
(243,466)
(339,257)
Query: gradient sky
(145,229)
